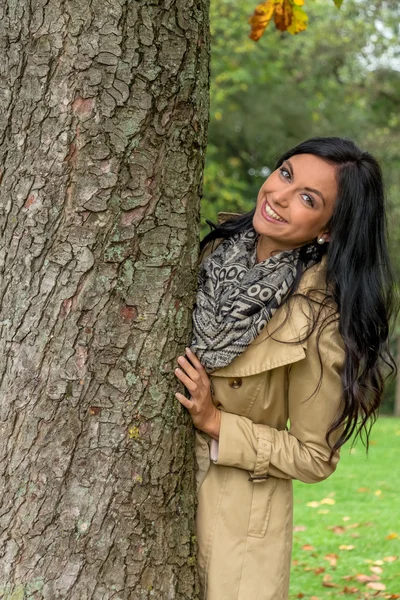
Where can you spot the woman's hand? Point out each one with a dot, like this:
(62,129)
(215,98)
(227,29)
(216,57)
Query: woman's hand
(205,415)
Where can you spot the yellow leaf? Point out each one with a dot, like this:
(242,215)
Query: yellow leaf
(392,536)
(299,21)
(313,504)
(263,13)
(390,559)
(378,562)
(344,547)
(378,492)
(328,501)
(346,518)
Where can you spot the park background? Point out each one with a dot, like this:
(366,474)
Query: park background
(339,77)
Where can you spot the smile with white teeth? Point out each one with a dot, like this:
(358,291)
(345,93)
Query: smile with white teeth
(271,213)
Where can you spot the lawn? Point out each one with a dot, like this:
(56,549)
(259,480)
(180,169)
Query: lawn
(347,528)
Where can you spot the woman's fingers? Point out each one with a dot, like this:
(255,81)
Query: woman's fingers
(187,382)
(189,369)
(189,404)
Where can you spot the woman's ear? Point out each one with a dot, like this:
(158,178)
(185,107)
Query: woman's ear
(325,235)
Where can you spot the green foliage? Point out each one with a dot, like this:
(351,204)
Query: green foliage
(341,77)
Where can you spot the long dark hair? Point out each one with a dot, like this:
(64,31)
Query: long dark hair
(359,276)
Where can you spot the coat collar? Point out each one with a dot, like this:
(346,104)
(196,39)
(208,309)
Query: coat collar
(289,324)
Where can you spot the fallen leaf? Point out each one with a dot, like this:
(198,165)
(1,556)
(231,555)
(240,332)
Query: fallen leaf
(378,586)
(328,501)
(378,492)
(346,547)
(363,489)
(390,559)
(332,558)
(378,562)
(392,536)
(319,570)
(346,518)
(361,578)
(307,547)
(376,570)
(299,528)
(338,529)
(300,595)
(313,504)
(350,590)
(329,584)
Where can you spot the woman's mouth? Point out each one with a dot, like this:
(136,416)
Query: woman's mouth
(270,215)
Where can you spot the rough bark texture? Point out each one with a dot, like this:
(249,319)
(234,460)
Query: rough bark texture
(104,109)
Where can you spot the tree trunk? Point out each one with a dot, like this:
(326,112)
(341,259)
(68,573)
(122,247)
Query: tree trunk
(104,109)
(397,393)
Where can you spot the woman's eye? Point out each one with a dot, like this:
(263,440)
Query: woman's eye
(283,171)
(308,199)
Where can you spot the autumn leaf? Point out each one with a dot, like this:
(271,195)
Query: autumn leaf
(392,536)
(307,547)
(376,570)
(346,547)
(390,559)
(332,558)
(263,13)
(378,586)
(288,16)
(361,578)
(328,501)
(283,15)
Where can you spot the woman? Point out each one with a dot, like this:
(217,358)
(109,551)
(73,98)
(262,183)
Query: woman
(288,354)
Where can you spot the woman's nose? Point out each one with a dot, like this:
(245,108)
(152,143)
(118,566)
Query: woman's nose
(281,198)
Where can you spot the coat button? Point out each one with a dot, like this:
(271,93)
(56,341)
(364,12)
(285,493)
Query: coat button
(235,383)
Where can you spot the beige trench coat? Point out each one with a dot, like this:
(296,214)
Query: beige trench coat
(244,515)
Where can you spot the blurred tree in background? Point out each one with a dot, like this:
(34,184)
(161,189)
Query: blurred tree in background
(341,77)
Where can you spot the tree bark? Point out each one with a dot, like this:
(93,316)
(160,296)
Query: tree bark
(103,121)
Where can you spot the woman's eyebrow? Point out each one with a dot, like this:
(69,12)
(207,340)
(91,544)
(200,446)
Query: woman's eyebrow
(306,188)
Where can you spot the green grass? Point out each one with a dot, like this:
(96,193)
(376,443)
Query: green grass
(366,494)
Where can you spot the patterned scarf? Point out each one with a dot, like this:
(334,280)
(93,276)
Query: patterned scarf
(237,296)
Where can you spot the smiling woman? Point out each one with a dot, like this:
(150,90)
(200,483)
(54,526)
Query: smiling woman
(290,326)
(295,204)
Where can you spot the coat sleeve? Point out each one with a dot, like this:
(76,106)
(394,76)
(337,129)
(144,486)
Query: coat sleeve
(314,399)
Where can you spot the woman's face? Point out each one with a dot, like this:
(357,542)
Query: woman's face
(295,204)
